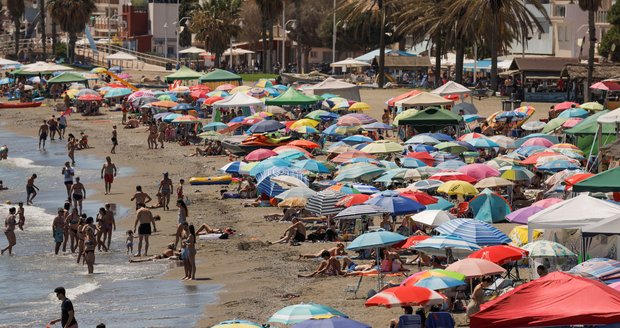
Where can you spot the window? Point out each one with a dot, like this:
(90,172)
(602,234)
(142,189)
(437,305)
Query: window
(559,10)
(313,54)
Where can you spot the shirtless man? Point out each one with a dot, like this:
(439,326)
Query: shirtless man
(296,232)
(152,138)
(78,193)
(72,145)
(9,231)
(140,197)
(31,190)
(145,218)
(334,251)
(68,173)
(53,125)
(108,172)
(43,131)
(165,188)
(58,229)
(114,140)
(108,224)
(162,132)
(330,266)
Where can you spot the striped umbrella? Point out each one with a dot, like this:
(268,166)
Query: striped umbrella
(324,203)
(439,283)
(375,239)
(265,185)
(357,211)
(405,296)
(300,312)
(353,199)
(451,165)
(546,248)
(474,231)
(297,192)
(365,189)
(473,268)
(414,278)
(597,267)
(422,139)
(437,245)
(232,167)
(396,204)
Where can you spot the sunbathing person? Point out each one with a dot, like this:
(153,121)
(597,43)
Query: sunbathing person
(167,254)
(330,266)
(354,269)
(132,123)
(208,229)
(294,234)
(334,251)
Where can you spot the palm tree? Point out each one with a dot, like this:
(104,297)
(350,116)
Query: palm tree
(591,6)
(72,16)
(16,11)
(215,22)
(270,9)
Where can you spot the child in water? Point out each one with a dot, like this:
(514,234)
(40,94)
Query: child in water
(129,242)
(20,215)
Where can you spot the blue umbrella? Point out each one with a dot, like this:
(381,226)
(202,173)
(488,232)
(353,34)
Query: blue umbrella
(474,231)
(232,167)
(442,204)
(365,189)
(362,160)
(558,165)
(183,106)
(161,115)
(466,145)
(266,186)
(422,148)
(574,112)
(489,207)
(471,117)
(171,117)
(412,163)
(422,139)
(291,155)
(388,165)
(267,164)
(237,119)
(439,282)
(395,204)
(375,239)
(529,150)
(440,136)
(437,245)
(483,143)
(6,80)
(312,166)
(118,92)
(512,115)
(214,126)
(333,322)
(266,126)
(451,165)
(355,139)
(442,156)
(378,126)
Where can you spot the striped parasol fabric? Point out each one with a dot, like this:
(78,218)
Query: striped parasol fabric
(437,245)
(324,203)
(597,267)
(266,186)
(474,231)
(365,189)
(357,211)
(542,248)
(405,296)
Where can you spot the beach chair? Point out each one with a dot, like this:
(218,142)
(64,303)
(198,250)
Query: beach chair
(439,320)
(353,288)
(410,321)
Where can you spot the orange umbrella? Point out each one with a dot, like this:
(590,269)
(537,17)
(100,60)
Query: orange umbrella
(533,159)
(353,199)
(350,155)
(420,197)
(413,240)
(304,144)
(164,104)
(572,180)
(423,156)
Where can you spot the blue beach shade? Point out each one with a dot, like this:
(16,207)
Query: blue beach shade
(375,239)
(300,312)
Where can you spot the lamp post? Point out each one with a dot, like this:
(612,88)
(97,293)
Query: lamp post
(286,37)
(166,40)
(179,29)
(334,39)
(283,60)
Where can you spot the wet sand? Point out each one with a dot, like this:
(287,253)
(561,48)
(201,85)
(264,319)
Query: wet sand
(257,279)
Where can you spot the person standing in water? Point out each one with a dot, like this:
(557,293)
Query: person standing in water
(114,140)
(21,218)
(9,231)
(90,243)
(62,125)
(108,224)
(68,172)
(53,125)
(58,229)
(78,193)
(140,197)
(165,188)
(145,218)
(67,318)
(43,131)
(108,172)
(31,190)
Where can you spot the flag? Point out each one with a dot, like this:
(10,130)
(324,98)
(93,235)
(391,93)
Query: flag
(91,41)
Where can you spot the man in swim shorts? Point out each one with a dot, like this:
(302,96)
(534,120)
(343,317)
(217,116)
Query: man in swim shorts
(145,218)
(108,172)
(43,131)
(140,197)
(31,190)
(58,229)
(78,193)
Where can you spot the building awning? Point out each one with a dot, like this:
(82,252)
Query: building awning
(405,62)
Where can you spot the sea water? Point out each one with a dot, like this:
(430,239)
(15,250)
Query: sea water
(119,294)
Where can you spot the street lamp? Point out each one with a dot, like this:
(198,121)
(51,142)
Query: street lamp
(334,39)
(284,37)
(179,29)
(166,40)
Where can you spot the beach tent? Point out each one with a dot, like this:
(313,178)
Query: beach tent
(451,88)
(424,99)
(218,77)
(606,181)
(238,100)
(349,62)
(291,97)
(121,56)
(184,73)
(558,299)
(67,78)
(607,229)
(489,207)
(610,226)
(573,213)
(431,119)
(585,131)
(338,87)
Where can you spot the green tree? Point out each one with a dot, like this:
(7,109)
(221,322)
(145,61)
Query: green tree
(215,22)
(16,11)
(307,34)
(610,45)
(72,16)
(591,6)
(270,10)
(186,7)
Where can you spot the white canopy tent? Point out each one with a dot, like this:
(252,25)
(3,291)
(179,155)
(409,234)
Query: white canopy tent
(451,88)
(41,67)
(612,117)
(573,213)
(349,62)
(610,226)
(121,56)
(192,50)
(424,99)
(239,99)
(338,87)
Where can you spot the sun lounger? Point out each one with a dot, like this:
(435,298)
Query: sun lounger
(409,321)
(439,320)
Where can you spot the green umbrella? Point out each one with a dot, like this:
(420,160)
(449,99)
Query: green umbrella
(451,147)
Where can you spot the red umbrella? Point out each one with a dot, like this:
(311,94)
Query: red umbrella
(413,240)
(450,176)
(564,106)
(199,94)
(420,197)
(405,296)
(288,124)
(251,120)
(260,154)
(423,156)
(304,144)
(353,199)
(90,97)
(211,100)
(572,180)
(533,159)
(200,87)
(288,147)
(537,142)
(392,101)
(499,254)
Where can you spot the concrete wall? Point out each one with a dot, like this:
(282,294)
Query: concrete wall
(161,14)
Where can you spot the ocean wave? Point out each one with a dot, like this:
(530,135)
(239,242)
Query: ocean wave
(78,290)
(22,163)
(36,217)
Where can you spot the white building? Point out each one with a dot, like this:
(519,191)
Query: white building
(163,15)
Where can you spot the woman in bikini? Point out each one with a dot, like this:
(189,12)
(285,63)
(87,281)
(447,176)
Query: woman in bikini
(101,229)
(181,221)
(80,238)
(191,252)
(72,222)
(90,243)
(330,266)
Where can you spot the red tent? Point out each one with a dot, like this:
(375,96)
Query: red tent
(554,300)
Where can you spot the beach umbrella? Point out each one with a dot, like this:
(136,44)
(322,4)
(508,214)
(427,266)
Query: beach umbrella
(592,106)
(574,179)
(300,312)
(439,136)
(305,122)
(237,324)
(287,181)
(422,139)
(341,147)
(349,121)
(538,142)
(382,147)
(426,184)
(291,155)
(552,138)
(545,248)
(302,143)
(225,87)
(185,119)
(423,156)
(348,155)
(516,173)
(171,117)
(266,126)
(324,203)
(396,204)
(412,163)
(451,147)
(296,202)
(439,283)
(564,106)
(393,174)
(416,277)
(574,112)
(442,204)
(558,165)
(305,130)
(439,245)
(533,125)
(232,167)
(419,196)
(352,199)
(510,115)
(260,154)
(164,104)
(452,176)
(332,322)
(479,171)
(421,148)
(533,159)
(405,296)
(355,139)
(375,239)
(183,106)
(530,150)
(343,188)
(365,189)
(318,114)
(118,92)
(475,267)
(214,126)
(357,211)
(359,171)
(451,165)
(218,93)
(296,192)
(474,231)
(598,268)
(414,240)
(359,106)
(89,97)
(470,136)
(256,168)
(521,215)
(547,202)
(378,126)
(572,122)
(499,254)
(519,235)
(312,166)
(362,160)
(483,143)
(433,218)
(240,89)
(287,148)
(269,180)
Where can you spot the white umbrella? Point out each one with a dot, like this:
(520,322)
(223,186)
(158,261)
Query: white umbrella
(121,56)
(504,142)
(237,52)
(192,50)
(5,62)
(433,218)
(533,125)
(288,181)
(349,62)
(40,67)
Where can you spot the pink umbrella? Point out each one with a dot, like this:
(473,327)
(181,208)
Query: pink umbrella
(615,285)
(537,142)
(225,87)
(479,171)
(523,214)
(349,121)
(473,135)
(564,106)
(472,267)
(571,122)
(544,203)
(260,154)
(404,296)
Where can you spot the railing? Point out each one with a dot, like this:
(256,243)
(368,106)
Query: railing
(103,50)
(600,17)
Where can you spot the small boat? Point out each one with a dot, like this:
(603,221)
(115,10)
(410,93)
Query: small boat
(21,105)
(218,180)
(242,145)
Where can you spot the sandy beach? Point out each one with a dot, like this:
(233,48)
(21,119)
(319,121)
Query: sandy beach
(257,279)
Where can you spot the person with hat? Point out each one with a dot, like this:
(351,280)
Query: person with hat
(67,318)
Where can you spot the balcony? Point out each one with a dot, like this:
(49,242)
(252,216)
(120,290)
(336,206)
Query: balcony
(600,17)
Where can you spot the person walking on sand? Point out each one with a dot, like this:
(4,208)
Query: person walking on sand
(67,313)
(165,188)
(71,147)
(152,138)
(114,140)
(108,172)
(31,190)
(78,194)
(180,195)
(68,173)
(162,132)
(43,131)
(62,126)
(9,231)
(140,197)
(53,125)
(145,218)
(58,229)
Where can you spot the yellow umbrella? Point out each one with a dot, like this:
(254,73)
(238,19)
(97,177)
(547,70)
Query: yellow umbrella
(359,106)
(72,93)
(457,187)
(242,89)
(382,147)
(405,114)
(293,202)
(98,70)
(304,122)
(519,235)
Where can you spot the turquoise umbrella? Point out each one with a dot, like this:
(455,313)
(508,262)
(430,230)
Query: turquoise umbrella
(439,282)
(442,204)
(574,112)
(118,92)
(312,166)
(297,313)
(171,117)
(214,126)
(267,164)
